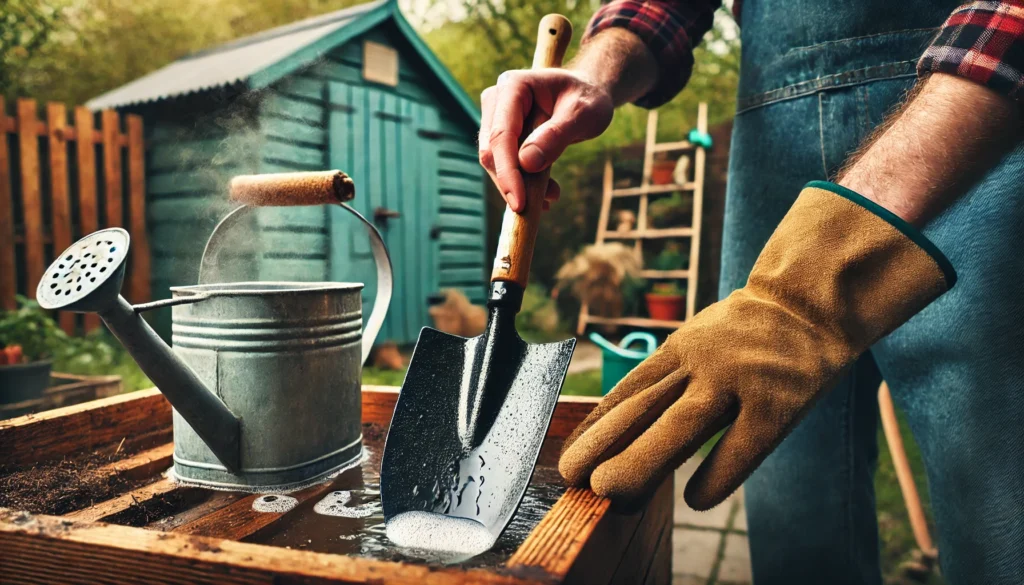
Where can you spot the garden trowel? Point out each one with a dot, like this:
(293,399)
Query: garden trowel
(473,412)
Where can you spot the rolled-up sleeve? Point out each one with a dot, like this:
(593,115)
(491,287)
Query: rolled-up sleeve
(983,42)
(669,29)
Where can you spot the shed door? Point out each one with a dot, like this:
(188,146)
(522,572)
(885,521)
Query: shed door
(374,136)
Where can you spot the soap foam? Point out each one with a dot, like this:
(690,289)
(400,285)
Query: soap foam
(334,504)
(436,532)
(275,503)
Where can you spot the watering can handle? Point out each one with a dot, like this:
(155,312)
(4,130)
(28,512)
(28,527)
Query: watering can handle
(649,340)
(385,276)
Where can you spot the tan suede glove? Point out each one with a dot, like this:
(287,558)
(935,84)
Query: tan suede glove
(838,274)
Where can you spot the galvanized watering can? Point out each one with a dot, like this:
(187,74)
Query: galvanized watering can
(264,377)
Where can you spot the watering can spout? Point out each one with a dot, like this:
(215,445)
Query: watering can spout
(208,416)
(87,278)
(202,409)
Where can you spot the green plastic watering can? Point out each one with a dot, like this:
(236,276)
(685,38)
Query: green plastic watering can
(618,360)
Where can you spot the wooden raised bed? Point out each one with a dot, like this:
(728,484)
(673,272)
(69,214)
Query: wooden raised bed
(582,539)
(64,390)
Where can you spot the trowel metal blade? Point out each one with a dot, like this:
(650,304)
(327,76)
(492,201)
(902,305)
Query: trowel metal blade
(428,467)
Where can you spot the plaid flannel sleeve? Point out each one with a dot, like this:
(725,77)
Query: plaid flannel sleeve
(670,29)
(984,42)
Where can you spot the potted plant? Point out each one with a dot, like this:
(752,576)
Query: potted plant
(27,338)
(662,170)
(666,301)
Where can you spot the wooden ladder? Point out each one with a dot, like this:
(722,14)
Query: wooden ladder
(641,232)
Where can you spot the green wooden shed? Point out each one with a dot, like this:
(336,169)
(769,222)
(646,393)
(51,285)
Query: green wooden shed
(355,90)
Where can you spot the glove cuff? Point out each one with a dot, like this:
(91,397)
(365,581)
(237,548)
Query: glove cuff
(912,233)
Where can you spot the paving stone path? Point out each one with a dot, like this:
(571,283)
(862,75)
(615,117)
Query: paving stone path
(709,548)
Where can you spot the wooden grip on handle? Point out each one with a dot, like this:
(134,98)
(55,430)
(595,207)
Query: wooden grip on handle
(286,189)
(519,231)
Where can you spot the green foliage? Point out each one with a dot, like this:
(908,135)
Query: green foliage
(667,289)
(41,338)
(538,320)
(73,50)
(28,326)
(671,258)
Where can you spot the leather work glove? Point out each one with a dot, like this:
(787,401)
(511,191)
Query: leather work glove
(838,274)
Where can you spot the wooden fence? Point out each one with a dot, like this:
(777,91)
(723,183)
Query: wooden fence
(59,182)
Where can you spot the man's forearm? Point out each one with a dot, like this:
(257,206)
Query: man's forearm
(929,153)
(617,60)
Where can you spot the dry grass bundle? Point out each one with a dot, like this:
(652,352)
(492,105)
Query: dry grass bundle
(387,356)
(458,316)
(595,276)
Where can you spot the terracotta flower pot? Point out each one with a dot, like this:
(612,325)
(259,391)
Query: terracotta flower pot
(665,307)
(661,172)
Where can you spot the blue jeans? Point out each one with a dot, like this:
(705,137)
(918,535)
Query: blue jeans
(956,369)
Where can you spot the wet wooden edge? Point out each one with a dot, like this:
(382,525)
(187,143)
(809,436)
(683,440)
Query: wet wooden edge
(548,554)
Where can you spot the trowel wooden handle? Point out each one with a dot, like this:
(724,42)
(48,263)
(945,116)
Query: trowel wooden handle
(519,230)
(286,189)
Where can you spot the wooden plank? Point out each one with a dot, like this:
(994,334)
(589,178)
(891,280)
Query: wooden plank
(142,418)
(698,212)
(668,146)
(238,520)
(112,168)
(665,274)
(123,502)
(88,214)
(660,571)
(609,544)
(31,194)
(652,189)
(634,322)
(74,390)
(8,268)
(558,539)
(143,464)
(48,549)
(637,559)
(138,284)
(60,200)
(10,126)
(650,234)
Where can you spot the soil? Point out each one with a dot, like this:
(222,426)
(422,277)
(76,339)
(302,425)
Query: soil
(60,487)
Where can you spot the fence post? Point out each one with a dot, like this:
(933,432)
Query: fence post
(112,167)
(31,198)
(88,213)
(60,201)
(8,284)
(139,285)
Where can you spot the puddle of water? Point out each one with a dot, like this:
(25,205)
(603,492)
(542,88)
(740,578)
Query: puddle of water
(348,520)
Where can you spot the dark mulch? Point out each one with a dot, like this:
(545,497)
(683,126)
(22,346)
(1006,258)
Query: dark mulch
(60,487)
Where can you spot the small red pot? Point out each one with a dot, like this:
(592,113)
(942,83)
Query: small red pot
(661,172)
(665,307)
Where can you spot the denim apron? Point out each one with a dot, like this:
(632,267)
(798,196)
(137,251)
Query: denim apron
(816,77)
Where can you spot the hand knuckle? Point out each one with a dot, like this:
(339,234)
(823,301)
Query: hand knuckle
(498,134)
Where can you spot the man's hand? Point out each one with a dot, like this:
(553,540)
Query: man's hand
(842,270)
(575,104)
(575,108)
(835,277)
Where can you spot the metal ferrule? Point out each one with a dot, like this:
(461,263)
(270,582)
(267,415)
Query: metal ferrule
(505,294)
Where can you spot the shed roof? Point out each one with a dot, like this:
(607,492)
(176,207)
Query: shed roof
(259,60)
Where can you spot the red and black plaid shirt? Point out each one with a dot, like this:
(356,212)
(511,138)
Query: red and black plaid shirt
(982,41)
